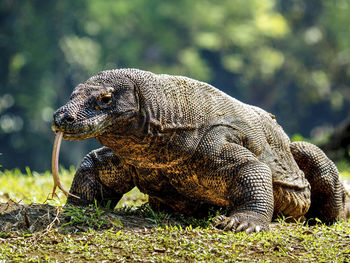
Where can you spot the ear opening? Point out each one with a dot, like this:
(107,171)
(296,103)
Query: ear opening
(137,92)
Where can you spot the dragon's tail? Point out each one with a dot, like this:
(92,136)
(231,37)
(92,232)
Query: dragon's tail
(346,184)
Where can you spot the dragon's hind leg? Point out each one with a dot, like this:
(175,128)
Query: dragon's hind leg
(327,192)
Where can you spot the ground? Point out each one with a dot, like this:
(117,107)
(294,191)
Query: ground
(47,231)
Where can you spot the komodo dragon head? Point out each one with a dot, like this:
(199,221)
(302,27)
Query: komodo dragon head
(97,105)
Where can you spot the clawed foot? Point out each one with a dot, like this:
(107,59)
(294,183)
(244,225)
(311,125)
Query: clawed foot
(241,222)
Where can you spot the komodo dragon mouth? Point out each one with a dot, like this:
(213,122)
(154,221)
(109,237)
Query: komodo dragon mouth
(90,128)
(83,131)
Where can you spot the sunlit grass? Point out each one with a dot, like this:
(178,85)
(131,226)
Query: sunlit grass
(285,242)
(345,175)
(33,187)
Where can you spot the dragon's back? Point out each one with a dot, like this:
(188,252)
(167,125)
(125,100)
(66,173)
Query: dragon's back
(181,104)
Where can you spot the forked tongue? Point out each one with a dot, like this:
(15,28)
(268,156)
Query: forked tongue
(54,163)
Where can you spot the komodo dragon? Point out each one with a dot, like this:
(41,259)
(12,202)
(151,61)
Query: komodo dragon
(190,146)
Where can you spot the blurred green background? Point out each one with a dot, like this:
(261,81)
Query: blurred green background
(290,57)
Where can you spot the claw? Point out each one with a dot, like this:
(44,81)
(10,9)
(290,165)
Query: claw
(220,218)
(220,221)
(250,229)
(258,229)
(243,226)
(231,224)
(241,222)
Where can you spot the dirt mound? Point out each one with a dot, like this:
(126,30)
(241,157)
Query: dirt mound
(36,217)
(33,217)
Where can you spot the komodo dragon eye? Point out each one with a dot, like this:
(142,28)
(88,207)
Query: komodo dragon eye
(104,101)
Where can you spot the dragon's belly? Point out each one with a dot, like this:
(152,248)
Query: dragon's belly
(179,188)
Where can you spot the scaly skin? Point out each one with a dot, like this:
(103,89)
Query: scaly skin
(190,146)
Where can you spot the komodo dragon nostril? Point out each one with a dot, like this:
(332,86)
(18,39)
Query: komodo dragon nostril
(69,118)
(63,117)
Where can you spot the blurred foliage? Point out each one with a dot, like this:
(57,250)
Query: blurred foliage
(291,58)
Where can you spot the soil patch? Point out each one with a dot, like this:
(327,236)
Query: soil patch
(37,217)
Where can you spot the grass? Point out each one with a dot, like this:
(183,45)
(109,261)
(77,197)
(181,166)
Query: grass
(32,187)
(173,239)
